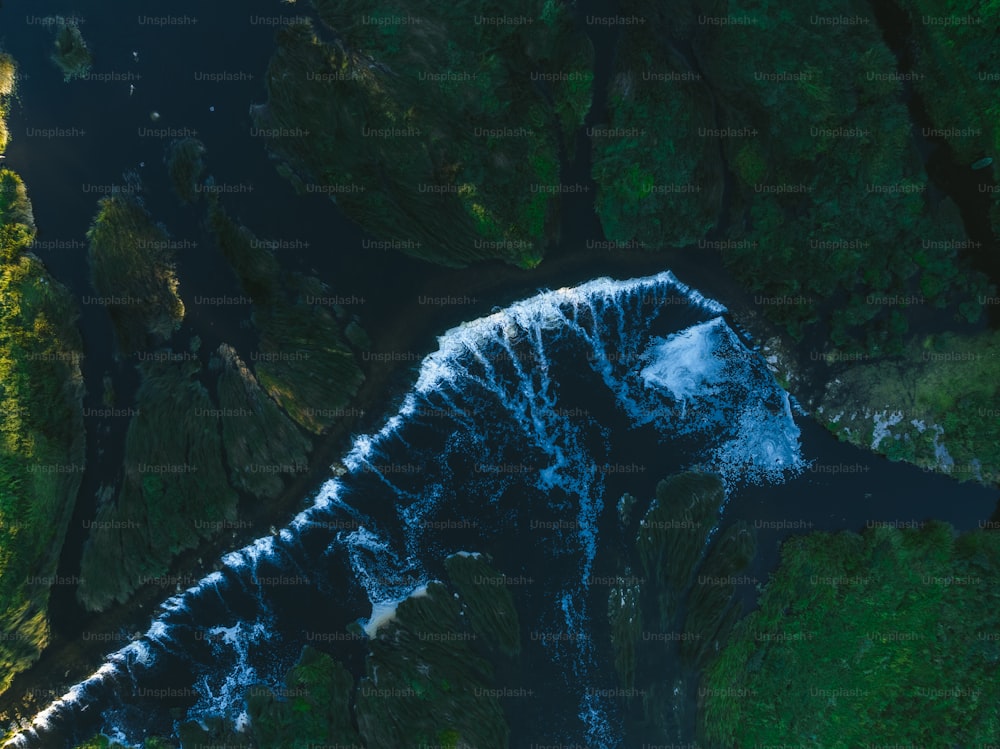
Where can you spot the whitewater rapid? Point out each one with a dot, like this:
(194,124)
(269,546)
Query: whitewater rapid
(493,398)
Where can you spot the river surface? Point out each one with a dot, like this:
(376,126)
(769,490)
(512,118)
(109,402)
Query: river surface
(514,434)
(517,439)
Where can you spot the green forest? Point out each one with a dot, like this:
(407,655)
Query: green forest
(442,137)
(794,141)
(825,168)
(41,421)
(890,635)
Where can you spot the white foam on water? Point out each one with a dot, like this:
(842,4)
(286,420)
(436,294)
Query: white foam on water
(242,722)
(221,692)
(384,612)
(700,380)
(250,555)
(42,722)
(687,364)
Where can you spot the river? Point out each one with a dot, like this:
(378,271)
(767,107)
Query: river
(828,485)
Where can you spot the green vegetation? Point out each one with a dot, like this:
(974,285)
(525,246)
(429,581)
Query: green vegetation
(8,79)
(838,214)
(659,178)
(433,685)
(487,602)
(8,74)
(304,361)
(935,407)
(71,55)
(891,635)
(261,443)
(833,226)
(133,272)
(186,168)
(41,458)
(41,431)
(174,490)
(318,713)
(673,617)
(957,61)
(440,135)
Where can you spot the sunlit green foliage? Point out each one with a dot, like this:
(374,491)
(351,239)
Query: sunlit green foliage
(174,490)
(8,78)
(8,72)
(891,636)
(41,431)
(438,132)
(133,272)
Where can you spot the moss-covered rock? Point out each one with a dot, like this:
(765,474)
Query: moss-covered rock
(71,56)
(486,600)
(132,270)
(261,443)
(935,407)
(174,491)
(424,682)
(434,126)
(186,168)
(313,709)
(304,361)
(667,623)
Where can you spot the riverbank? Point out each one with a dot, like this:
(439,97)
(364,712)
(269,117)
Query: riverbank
(400,346)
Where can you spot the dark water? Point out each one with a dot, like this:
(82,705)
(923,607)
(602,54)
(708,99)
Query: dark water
(232,629)
(110,133)
(527,427)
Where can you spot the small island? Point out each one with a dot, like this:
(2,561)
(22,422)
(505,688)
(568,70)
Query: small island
(71,56)
(132,271)
(173,492)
